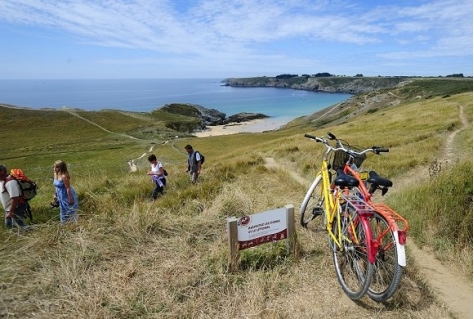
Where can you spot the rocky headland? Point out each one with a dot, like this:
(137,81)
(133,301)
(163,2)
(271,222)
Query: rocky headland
(331,84)
(210,117)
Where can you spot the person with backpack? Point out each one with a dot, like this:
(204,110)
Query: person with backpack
(157,176)
(65,193)
(28,188)
(12,201)
(195,160)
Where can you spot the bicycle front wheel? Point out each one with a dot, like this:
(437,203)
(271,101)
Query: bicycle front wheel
(388,273)
(351,260)
(313,202)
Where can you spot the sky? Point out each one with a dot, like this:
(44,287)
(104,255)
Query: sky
(127,39)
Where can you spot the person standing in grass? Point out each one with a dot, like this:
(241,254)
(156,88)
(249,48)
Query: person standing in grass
(64,193)
(157,176)
(12,201)
(194,163)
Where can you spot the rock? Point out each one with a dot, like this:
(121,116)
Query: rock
(244,117)
(210,116)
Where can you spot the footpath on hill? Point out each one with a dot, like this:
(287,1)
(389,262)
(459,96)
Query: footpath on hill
(450,286)
(95,124)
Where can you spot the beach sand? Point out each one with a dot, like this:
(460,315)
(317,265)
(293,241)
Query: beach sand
(254,126)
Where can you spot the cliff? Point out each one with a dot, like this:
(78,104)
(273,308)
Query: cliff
(335,84)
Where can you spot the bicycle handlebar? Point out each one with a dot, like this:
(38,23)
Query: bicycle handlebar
(375,149)
(317,139)
(378,150)
(331,136)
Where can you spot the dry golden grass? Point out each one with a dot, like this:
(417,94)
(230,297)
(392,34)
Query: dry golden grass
(147,260)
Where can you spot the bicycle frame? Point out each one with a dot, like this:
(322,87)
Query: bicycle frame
(393,218)
(332,196)
(359,230)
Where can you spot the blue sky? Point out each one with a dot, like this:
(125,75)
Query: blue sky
(69,39)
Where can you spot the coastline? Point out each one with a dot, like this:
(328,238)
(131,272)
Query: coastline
(253,126)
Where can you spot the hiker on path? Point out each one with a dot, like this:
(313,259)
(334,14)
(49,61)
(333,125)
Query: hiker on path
(18,174)
(157,176)
(194,163)
(65,194)
(12,202)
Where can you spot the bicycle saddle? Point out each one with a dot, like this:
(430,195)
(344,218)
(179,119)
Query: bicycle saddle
(375,179)
(344,180)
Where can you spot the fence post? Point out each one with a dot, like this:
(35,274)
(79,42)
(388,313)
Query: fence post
(233,244)
(290,229)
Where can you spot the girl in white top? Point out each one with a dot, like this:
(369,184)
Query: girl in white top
(158,176)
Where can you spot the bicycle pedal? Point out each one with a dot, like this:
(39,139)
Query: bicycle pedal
(317,211)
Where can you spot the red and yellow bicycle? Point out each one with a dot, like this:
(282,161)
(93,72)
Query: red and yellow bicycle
(389,229)
(346,218)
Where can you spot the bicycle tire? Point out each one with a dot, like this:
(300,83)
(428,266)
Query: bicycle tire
(353,269)
(313,202)
(388,273)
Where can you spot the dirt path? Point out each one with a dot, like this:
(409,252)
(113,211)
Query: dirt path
(451,288)
(448,155)
(131,163)
(95,124)
(271,163)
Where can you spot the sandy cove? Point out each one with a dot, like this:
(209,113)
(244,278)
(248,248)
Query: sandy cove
(253,126)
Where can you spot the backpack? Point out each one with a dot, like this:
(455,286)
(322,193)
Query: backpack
(202,157)
(28,187)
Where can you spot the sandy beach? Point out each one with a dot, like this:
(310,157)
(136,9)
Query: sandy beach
(254,126)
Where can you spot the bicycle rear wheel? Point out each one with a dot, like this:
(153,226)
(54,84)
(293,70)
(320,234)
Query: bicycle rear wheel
(388,273)
(351,261)
(313,203)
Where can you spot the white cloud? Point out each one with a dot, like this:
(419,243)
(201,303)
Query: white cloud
(243,31)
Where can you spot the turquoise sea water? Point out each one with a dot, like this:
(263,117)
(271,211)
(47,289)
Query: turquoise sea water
(148,94)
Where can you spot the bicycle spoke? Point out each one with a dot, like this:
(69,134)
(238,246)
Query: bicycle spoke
(353,269)
(388,272)
(313,206)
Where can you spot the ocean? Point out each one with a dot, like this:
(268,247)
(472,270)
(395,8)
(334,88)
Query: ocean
(145,95)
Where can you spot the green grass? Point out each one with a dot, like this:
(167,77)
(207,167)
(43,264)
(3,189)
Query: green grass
(118,122)
(382,81)
(443,87)
(181,109)
(440,214)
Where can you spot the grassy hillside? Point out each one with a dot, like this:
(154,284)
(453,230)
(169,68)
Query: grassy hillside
(130,258)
